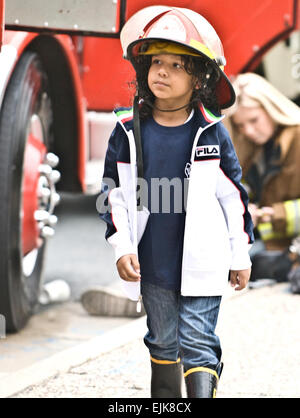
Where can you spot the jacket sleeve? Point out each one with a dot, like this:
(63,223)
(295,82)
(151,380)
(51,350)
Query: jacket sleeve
(233,199)
(111,204)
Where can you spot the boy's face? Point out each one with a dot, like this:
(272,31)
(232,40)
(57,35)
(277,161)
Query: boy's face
(169,81)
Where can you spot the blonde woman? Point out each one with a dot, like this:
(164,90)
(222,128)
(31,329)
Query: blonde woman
(265,127)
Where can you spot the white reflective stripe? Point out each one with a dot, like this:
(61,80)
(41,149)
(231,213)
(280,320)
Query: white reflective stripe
(267,232)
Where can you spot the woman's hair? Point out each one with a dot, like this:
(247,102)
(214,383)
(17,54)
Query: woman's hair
(203,72)
(253,90)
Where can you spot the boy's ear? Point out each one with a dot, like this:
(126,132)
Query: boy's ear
(196,83)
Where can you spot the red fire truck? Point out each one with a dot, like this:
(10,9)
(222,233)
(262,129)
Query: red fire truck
(61,74)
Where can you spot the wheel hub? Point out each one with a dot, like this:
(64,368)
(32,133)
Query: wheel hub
(39,195)
(48,198)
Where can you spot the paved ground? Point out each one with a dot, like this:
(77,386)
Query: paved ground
(79,255)
(50,332)
(260,334)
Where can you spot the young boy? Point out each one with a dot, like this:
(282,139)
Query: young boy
(178,249)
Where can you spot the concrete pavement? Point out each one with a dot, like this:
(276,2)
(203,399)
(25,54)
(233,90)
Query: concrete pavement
(260,335)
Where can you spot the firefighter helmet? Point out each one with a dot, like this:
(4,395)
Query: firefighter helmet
(150,30)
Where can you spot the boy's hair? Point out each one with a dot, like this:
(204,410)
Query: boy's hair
(203,72)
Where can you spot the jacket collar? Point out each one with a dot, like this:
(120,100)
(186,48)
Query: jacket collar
(125,117)
(205,117)
(285,140)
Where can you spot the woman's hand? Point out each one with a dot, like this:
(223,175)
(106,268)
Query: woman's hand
(260,215)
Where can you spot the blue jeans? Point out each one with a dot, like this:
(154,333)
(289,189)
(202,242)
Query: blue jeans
(181,326)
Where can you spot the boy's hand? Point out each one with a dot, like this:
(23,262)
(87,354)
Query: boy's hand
(239,278)
(129,268)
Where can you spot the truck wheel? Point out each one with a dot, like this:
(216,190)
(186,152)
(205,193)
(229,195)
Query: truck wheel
(27,190)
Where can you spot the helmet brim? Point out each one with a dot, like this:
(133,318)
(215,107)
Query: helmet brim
(224,89)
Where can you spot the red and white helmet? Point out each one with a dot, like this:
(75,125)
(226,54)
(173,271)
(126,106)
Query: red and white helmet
(188,31)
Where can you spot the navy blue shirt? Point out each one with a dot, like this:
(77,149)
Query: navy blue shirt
(166,150)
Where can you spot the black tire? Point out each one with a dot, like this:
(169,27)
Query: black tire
(24,97)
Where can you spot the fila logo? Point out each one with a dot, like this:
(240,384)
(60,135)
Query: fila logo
(207,150)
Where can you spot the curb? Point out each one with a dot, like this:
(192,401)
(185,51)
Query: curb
(12,383)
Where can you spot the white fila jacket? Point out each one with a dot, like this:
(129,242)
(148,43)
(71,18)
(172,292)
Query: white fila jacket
(218,227)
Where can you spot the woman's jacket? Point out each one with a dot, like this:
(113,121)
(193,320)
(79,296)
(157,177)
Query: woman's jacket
(278,187)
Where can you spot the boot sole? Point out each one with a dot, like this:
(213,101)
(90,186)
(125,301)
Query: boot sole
(107,303)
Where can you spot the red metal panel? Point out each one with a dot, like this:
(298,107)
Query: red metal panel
(247,29)
(256,28)
(106,75)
